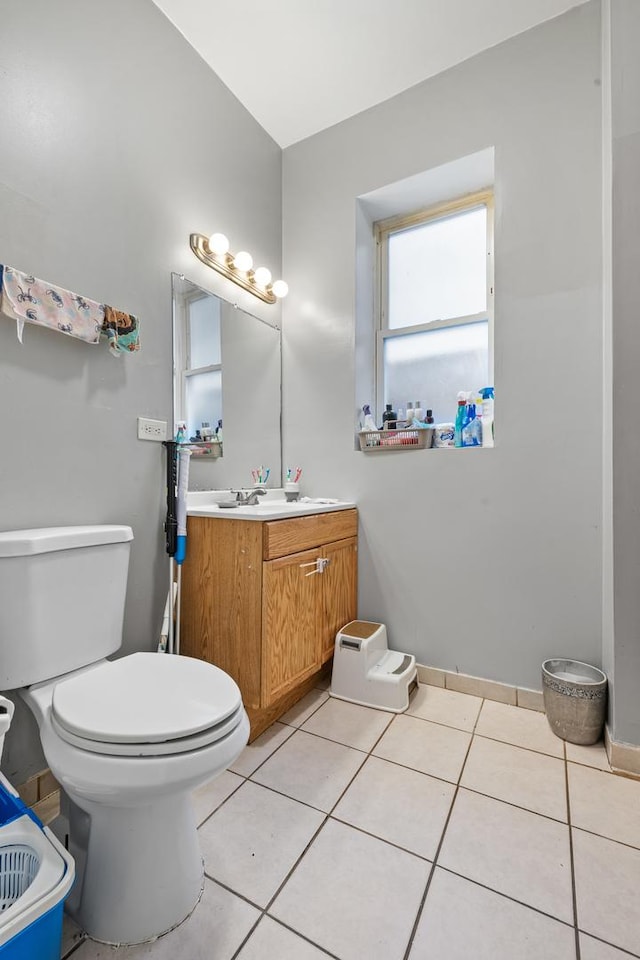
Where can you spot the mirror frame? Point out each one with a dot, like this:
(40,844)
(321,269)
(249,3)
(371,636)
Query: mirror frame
(176,277)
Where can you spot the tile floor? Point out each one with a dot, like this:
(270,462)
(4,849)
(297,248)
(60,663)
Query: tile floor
(461,829)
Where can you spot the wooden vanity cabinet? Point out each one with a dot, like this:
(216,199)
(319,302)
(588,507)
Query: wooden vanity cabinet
(263,600)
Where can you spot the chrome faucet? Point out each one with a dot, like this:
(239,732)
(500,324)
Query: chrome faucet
(248,499)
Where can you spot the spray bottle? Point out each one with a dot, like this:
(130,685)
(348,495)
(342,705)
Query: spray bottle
(460,418)
(487,416)
(368,422)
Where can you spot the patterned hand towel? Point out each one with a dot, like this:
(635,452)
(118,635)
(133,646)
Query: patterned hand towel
(122,330)
(26,299)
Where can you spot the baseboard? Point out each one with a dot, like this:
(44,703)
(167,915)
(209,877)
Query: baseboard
(623,757)
(480,687)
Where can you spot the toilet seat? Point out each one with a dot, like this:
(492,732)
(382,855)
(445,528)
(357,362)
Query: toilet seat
(146,704)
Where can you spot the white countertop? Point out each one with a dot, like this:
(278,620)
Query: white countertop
(273,506)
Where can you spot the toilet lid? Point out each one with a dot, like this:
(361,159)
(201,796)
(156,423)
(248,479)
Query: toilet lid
(145,698)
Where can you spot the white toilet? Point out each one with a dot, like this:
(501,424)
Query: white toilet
(128,740)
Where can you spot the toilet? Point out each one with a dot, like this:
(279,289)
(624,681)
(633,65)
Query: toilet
(128,740)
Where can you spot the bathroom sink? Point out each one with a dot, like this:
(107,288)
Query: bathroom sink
(269,509)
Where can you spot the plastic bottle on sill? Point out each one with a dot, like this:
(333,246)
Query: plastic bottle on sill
(471,427)
(410,413)
(368,422)
(431,425)
(418,412)
(487,416)
(460,417)
(389,418)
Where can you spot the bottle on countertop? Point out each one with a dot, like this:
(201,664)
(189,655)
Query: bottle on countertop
(410,413)
(418,412)
(389,418)
(429,417)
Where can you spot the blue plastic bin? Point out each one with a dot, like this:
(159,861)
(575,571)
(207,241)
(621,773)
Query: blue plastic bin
(36,874)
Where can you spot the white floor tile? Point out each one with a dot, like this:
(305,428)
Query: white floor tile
(591,949)
(303,709)
(454,709)
(518,776)
(311,769)
(463,920)
(261,748)
(607,882)
(206,798)
(272,941)
(523,728)
(348,723)
(252,842)
(354,895)
(605,804)
(399,805)
(517,853)
(593,756)
(428,747)
(214,931)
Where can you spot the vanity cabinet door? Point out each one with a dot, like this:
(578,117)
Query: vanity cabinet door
(292,614)
(340,591)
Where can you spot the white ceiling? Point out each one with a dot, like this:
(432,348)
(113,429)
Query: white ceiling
(300,66)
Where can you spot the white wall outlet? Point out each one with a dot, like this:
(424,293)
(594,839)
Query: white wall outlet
(151,429)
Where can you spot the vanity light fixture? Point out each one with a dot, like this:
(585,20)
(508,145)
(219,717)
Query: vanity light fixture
(214,251)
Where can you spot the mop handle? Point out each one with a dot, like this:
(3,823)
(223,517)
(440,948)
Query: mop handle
(171,524)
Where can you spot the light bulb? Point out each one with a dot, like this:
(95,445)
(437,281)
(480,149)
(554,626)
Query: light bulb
(262,277)
(243,261)
(218,244)
(280,289)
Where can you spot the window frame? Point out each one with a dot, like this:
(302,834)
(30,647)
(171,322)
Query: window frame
(383,229)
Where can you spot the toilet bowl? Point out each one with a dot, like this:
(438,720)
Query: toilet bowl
(128,740)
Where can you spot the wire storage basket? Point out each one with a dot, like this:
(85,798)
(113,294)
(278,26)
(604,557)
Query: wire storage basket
(19,865)
(415,438)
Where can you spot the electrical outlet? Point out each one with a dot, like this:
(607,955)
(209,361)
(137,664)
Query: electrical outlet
(151,429)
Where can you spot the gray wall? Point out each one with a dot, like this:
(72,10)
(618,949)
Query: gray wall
(483,561)
(116,142)
(625,155)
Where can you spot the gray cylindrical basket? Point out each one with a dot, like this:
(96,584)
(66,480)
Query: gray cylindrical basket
(575,700)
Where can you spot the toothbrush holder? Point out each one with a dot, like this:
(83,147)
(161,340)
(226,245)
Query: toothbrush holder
(291,491)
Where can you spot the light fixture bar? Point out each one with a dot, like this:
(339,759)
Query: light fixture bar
(223,263)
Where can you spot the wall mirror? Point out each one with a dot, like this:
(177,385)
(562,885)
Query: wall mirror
(227,374)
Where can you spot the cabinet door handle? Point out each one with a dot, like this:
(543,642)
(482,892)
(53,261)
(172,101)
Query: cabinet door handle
(314,563)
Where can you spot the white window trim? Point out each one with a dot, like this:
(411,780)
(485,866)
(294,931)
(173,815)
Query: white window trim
(383,229)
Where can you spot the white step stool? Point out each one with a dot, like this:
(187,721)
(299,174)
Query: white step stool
(365,671)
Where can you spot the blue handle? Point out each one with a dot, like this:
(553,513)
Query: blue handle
(181,549)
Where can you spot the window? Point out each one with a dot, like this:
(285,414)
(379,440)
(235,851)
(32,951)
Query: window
(435,300)
(199,356)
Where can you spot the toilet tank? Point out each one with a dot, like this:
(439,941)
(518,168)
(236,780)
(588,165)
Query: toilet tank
(62,593)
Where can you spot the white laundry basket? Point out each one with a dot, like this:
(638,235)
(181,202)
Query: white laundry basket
(36,874)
